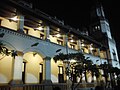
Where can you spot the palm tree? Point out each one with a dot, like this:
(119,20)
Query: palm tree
(87,64)
(108,69)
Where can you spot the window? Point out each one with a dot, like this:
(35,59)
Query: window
(40,73)
(97,27)
(41,68)
(61,74)
(60,69)
(23,71)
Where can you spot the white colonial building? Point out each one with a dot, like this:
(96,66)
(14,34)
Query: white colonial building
(36,36)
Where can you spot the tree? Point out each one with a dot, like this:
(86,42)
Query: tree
(116,71)
(76,68)
(106,69)
(94,71)
(4,51)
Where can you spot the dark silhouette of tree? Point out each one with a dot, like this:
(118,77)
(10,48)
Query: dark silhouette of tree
(75,68)
(4,51)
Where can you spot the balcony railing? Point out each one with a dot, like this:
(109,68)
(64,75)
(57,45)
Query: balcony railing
(34,87)
(54,86)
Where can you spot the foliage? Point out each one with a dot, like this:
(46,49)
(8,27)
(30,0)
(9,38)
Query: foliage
(77,68)
(76,56)
(4,51)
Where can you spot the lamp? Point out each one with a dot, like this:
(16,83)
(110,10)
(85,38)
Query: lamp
(35,44)
(14,18)
(39,28)
(58,50)
(34,54)
(58,35)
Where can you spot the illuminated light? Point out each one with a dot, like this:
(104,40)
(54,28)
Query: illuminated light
(97,27)
(41,21)
(40,28)
(72,40)
(48,38)
(58,35)
(91,48)
(72,61)
(72,36)
(82,45)
(58,29)
(15,18)
(60,64)
(82,40)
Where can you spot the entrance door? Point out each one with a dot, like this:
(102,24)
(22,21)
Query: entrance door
(61,74)
(23,71)
(41,73)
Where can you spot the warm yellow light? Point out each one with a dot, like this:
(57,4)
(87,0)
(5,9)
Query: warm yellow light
(72,61)
(40,28)
(58,35)
(72,40)
(58,29)
(82,45)
(15,18)
(91,48)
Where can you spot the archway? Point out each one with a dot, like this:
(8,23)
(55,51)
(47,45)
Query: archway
(32,70)
(5,61)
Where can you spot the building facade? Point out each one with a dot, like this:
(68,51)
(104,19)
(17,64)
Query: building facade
(34,37)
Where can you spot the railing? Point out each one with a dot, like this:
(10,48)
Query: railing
(35,87)
(54,86)
(4,87)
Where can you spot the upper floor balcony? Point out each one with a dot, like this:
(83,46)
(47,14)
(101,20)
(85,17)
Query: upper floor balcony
(21,41)
(43,28)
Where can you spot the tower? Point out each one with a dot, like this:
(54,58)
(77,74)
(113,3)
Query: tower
(100,31)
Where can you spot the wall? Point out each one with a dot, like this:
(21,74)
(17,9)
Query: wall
(8,24)
(32,67)
(5,69)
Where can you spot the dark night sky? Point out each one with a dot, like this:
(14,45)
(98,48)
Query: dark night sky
(76,13)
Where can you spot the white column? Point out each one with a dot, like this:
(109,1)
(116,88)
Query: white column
(17,69)
(47,73)
(66,43)
(47,69)
(79,45)
(20,24)
(90,49)
(47,33)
